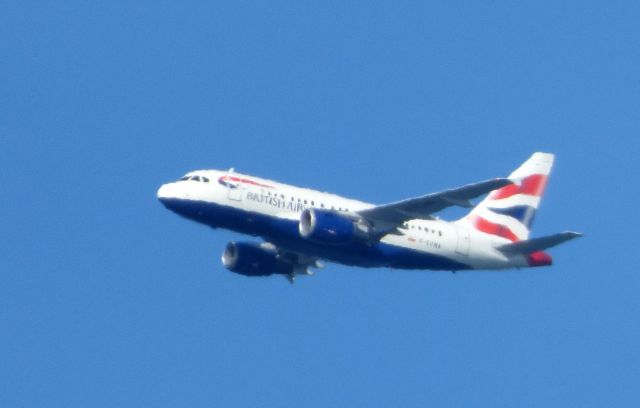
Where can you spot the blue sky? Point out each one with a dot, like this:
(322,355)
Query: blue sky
(107,299)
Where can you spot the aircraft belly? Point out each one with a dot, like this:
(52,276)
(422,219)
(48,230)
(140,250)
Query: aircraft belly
(284,233)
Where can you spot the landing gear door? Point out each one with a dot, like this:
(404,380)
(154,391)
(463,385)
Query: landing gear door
(462,246)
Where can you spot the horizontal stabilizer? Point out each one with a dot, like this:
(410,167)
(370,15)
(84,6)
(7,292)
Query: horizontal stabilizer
(537,244)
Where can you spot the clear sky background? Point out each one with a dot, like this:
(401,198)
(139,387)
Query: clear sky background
(107,299)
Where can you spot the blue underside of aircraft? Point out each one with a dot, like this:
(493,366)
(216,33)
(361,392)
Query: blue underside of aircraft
(284,234)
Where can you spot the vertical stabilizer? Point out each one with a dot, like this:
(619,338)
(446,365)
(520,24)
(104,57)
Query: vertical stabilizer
(509,211)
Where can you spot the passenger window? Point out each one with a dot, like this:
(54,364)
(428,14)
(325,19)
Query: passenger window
(195,178)
(206,180)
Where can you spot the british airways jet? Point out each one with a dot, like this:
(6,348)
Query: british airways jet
(301,227)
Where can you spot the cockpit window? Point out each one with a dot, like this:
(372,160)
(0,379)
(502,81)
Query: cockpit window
(201,179)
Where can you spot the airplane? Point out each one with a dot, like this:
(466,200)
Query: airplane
(301,227)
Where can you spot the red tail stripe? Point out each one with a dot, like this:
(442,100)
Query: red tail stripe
(489,227)
(532,185)
(539,259)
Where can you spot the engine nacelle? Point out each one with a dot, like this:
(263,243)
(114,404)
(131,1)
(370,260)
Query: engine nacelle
(251,259)
(330,227)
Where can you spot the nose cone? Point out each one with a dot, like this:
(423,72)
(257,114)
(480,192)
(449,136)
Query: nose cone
(177,198)
(167,194)
(174,195)
(163,192)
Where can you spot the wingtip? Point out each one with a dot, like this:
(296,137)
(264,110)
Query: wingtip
(500,182)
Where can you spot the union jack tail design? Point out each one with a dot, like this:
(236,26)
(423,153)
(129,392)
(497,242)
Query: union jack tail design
(508,212)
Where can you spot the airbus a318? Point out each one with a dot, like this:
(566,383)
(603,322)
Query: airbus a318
(302,227)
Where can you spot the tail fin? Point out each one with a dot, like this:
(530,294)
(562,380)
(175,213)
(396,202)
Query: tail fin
(509,211)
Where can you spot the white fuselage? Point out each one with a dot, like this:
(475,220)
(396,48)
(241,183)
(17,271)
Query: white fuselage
(254,197)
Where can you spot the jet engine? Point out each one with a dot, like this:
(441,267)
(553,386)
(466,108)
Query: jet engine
(251,259)
(330,227)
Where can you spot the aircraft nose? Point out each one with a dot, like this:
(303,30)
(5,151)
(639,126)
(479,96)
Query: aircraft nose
(164,192)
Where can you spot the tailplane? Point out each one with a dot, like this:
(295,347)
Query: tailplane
(509,211)
(530,246)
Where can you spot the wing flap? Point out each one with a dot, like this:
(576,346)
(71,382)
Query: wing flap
(301,263)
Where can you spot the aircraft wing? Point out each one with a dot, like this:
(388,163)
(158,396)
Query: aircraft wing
(301,263)
(423,207)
